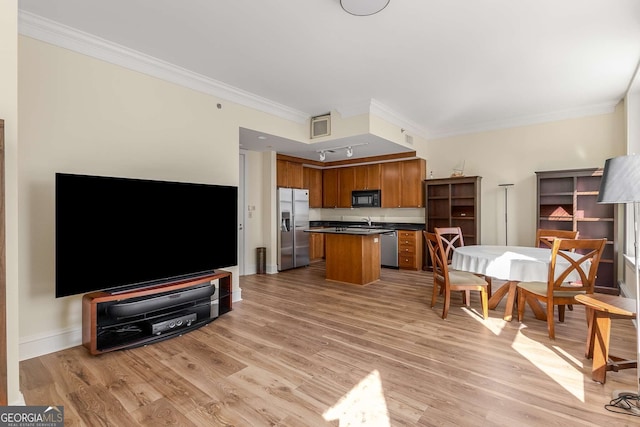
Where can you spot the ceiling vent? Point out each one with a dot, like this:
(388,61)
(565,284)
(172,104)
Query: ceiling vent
(320,126)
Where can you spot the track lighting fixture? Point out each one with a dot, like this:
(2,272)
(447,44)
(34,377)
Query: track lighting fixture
(349,152)
(348,149)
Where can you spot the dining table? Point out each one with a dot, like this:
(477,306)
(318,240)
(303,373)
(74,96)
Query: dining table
(513,264)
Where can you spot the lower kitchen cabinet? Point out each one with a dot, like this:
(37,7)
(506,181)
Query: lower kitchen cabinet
(410,249)
(316,246)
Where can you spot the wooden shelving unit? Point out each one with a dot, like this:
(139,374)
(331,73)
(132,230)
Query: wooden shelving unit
(567,200)
(454,202)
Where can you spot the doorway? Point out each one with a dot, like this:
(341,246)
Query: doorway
(241,215)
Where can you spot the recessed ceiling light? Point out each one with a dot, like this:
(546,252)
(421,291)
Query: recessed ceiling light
(262,137)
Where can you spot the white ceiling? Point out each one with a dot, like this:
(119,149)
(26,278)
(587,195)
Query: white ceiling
(438,67)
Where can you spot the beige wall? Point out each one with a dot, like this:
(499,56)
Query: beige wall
(9,113)
(83,115)
(514,155)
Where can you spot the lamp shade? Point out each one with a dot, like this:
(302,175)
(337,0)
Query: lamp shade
(620,180)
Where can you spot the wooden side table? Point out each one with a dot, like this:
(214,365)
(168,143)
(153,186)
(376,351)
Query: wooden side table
(601,308)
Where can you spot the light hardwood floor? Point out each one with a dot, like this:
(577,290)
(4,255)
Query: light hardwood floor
(302,351)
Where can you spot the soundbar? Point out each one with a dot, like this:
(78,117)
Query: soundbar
(141,305)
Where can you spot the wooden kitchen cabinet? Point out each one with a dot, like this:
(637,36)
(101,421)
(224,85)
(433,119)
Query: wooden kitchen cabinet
(390,185)
(368,177)
(410,249)
(316,246)
(402,183)
(346,184)
(312,180)
(289,174)
(330,188)
(567,200)
(412,173)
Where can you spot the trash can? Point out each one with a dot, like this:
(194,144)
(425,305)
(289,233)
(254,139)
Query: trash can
(261,261)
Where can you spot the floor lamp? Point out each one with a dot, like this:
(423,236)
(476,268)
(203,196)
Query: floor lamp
(506,207)
(621,184)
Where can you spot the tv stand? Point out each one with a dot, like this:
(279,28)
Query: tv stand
(115,321)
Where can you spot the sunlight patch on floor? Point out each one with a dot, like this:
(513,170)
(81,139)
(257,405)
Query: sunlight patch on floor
(566,370)
(363,405)
(494,324)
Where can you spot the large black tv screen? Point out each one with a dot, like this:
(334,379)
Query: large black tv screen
(120,234)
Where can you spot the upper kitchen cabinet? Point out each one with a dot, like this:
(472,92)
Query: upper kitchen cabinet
(402,183)
(390,186)
(346,184)
(454,202)
(568,200)
(312,179)
(330,188)
(289,174)
(368,177)
(412,173)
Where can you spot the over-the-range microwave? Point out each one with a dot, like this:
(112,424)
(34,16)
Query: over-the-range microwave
(365,198)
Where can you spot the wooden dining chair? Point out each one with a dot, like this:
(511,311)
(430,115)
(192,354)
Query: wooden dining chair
(446,280)
(557,290)
(545,237)
(451,238)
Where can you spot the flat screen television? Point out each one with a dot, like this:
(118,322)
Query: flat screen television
(119,234)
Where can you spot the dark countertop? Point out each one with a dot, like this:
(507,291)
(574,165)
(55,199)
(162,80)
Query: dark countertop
(349,230)
(386,225)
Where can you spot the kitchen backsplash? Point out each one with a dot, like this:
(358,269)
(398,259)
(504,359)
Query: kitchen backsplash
(405,215)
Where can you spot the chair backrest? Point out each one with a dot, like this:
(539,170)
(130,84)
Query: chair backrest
(545,237)
(583,257)
(450,238)
(438,258)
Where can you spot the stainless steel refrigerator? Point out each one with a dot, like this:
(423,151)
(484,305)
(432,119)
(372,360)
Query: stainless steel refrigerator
(293,219)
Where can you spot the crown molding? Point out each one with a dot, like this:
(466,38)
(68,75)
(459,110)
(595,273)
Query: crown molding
(54,33)
(57,34)
(585,111)
(382,111)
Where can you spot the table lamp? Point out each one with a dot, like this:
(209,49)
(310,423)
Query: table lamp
(621,184)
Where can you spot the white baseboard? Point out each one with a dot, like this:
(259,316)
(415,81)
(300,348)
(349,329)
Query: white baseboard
(38,345)
(19,402)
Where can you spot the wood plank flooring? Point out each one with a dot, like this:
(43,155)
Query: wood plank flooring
(303,351)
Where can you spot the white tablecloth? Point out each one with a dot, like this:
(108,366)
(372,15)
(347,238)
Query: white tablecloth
(513,263)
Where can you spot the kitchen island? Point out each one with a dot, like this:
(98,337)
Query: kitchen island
(352,255)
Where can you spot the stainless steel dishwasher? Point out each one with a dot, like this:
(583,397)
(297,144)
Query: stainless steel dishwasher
(389,249)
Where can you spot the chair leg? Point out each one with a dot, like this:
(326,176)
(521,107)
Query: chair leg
(447,301)
(484,299)
(521,303)
(561,313)
(467,298)
(550,325)
(434,295)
